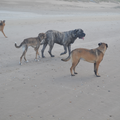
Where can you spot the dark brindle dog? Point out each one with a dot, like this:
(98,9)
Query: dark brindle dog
(34,42)
(62,38)
(94,56)
(2,25)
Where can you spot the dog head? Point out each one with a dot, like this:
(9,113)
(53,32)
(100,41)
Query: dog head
(103,44)
(102,47)
(41,36)
(79,33)
(2,22)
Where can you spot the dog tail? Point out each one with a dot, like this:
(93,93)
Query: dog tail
(66,59)
(18,46)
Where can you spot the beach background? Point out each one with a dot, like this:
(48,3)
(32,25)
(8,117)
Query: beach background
(45,90)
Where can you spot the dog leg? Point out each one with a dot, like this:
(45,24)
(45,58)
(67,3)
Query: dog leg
(65,51)
(42,51)
(50,49)
(26,48)
(37,53)
(4,33)
(76,63)
(24,53)
(71,69)
(74,70)
(95,68)
(21,58)
(96,65)
(69,49)
(25,58)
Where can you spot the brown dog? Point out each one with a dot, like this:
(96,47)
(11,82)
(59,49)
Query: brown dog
(94,56)
(33,42)
(2,25)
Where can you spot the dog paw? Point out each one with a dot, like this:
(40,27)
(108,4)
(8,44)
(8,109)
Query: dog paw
(20,63)
(75,73)
(43,56)
(36,60)
(97,75)
(52,56)
(72,75)
(26,61)
(62,53)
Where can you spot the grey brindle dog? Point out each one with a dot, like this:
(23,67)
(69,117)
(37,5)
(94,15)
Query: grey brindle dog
(62,38)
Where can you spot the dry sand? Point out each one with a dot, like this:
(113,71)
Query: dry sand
(44,90)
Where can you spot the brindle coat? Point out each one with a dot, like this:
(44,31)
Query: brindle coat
(62,38)
(94,56)
(33,42)
(2,25)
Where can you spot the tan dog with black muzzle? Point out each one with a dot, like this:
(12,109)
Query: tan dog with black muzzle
(93,56)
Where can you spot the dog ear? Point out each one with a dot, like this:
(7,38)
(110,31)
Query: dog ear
(81,30)
(106,45)
(39,36)
(76,30)
(3,21)
(99,44)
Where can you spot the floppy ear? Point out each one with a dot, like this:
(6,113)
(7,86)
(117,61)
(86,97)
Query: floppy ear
(76,30)
(3,21)
(39,36)
(81,30)
(99,44)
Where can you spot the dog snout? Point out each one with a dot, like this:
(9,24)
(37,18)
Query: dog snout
(84,34)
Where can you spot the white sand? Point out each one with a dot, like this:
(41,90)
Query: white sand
(44,90)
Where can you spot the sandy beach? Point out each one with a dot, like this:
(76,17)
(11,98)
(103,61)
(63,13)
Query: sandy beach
(45,90)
